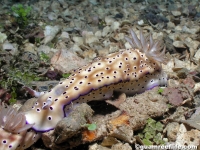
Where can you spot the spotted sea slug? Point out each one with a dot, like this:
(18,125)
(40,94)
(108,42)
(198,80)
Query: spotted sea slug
(129,71)
(13,128)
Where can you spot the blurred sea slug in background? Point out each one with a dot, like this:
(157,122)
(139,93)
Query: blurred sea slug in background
(13,127)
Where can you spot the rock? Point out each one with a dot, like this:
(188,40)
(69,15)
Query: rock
(197,56)
(106,31)
(11,47)
(73,123)
(55,6)
(106,43)
(171,130)
(113,48)
(93,2)
(191,43)
(66,13)
(98,34)
(157,36)
(178,28)
(65,61)
(109,20)
(178,64)
(127,45)
(169,66)
(143,106)
(65,36)
(115,25)
(47,138)
(69,127)
(176,13)
(191,30)
(177,95)
(193,121)
(109,141)
(188,81)
(103,52)
(185,137)
(29,47)
(3,37)
(174,96)
(197,97)
(78,40)
(179,44)
(90,38)
(76,48)
(46,50)
(89,54)
(182,73)
(121,146)
(197,87)
(63,3)
(97,147)
(119,129)
(50,33)
(52,16)
(118,36)
(171,25)
(179,114)
(93,19)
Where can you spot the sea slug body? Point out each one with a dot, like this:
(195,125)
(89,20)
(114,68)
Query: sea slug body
(130,71)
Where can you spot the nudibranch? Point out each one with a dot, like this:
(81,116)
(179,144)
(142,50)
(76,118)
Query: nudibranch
(13,128)
(129,71)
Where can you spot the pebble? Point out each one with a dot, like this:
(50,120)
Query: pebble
(3,37)
(179,44)
(176,13)
(197,55)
